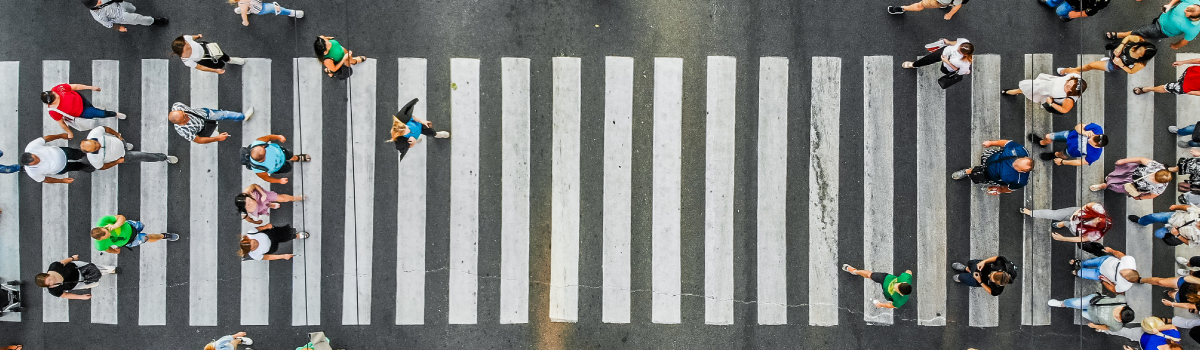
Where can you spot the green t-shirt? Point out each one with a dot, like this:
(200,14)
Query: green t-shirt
(1175,22)
(889,285)
(118,237)
(336,51)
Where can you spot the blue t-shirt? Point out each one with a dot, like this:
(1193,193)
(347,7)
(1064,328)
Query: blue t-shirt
(1176,23)
(1000,166)
(414,129)
(1152,342)
(272,160)
(1073,142)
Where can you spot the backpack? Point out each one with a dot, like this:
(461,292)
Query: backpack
(248,162)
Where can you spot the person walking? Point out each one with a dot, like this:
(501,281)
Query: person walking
(200,124)
(1005,166)
(1104,313)
(1190,266)
(1057,94)
(106,148)
(953,5)
(41,161)
(1179,18)
(955,57)
(1158,335)
(896,289)
(245,8)
(1188,83)
(1130,55)
(1181,224)
(262,244)
(1092,132)
(255,203)
(407,129)
(266,157)
(991,274)
(116,13)
(113,232)
(1089,222)
(1187,136)
(9,169)
(203,55)
(1116,271)
(335,58)
(65,104)
(229,342)
(1068,10)
(70,278)
(1138,177)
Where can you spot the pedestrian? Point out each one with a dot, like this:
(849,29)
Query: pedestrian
(1116,271)
(113,232)
(256,202)
(1184,291)
(955,56)
(1137,177)
(896,289)
(1181,224)
(65,105)
(106,148)
(991,274)
(72,275)
(1068,10)
(1187,136)
(9,169)
(1158,335)
(200,124)
(203,55)
(1190,266)
(335,57)
(245,8)
(954,6)
(1092,132)
(1188,83)
(1130,55)
(115,13)
(262,244)
(230,342)
(1057,94)
(266,157)
(1004,166)
(1104,313)
(407,129)
(1179,18)
(41,161)
(1089,223)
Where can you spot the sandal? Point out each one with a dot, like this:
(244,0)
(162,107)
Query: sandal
(907,64)
(302,235)
(1111,35)
(303,158)
(1138,90)
(1026,211)
(1035,138)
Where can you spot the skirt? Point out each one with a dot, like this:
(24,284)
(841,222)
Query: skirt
(1120,176)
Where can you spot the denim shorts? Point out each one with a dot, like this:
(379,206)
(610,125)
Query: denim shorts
(137,226)
(1060,136)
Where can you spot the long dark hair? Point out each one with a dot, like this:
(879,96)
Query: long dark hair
(319,48)
(239,201)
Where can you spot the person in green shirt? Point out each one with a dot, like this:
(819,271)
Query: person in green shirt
(896,289)
(113,232)
(333,55)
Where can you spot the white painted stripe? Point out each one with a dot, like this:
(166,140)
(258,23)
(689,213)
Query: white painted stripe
(410,210)
(772,189)
(823,173)
(618,196)
(514,190)
(464,190)
(1035,283)
(668,165)
(1091,110)
(1185,109)
(931,199)
(1139,138)
(360,196)
(984,309)
(54,200)
(106,76)
(152,280)
(878,180)
(202,233)
(564,231)
(718,191)
(256,92)
(10,194)
(306,181)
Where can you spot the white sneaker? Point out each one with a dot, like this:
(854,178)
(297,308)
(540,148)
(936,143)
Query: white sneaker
(237,60)
(120,115)
(246,341)
(1054,303)
(1181,260)
(172,159)
(128,146)
(249,113)
(1182,272)
(442,135)
(297,14)
(1173,129)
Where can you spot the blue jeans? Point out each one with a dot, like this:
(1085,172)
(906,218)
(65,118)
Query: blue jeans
(1156,218)
(269,9)
(1061,8)
(1081,303)
(1187,130)
(9,169)
(90,112)
(1090,268)
(218,115)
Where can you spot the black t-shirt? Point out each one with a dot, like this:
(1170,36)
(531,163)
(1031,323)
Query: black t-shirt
(998,265)
(70,275)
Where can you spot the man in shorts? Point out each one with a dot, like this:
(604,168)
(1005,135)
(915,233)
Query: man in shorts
(896,289)
(1075,139)
(954,6)
(113,232)
(1179,18)
(1004,169)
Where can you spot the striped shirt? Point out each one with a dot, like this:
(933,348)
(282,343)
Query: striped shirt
(109,15)
(255,5)
(194,124)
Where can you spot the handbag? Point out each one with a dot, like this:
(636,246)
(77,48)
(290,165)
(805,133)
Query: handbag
(344,73)
(948,80)
(1051,109)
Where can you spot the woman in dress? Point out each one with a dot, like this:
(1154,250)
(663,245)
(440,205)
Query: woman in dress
(255,203)
(202,55)
(245,8)
(1138,177)
(1089,223)
(1059,92)
(1130,55)
(263,243)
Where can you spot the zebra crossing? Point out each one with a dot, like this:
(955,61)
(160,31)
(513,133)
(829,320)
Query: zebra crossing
(412,281)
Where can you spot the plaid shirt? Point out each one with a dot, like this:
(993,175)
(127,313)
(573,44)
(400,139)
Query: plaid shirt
(194,124)
(109,15)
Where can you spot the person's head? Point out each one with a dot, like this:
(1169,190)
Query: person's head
(966,49)
(1000,278)
(1131,275)
(49,97)
(177,46)
(258,152)
(1192,12)
(321,47)
(398,129)
(1125,314)
(45,280)
(178,117)
(90,145)
(1099,141)
(29,159)
(245,246)
(1075,86)
(91,4)
(240,202)
(1155,325)
(1143,51)
(1023,164)
(1162,176)
(99,233)
(904,288)
(212,346)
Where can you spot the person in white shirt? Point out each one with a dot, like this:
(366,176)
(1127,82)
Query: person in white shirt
(106,148)
(114,13)
(41,161)
(1180,222)
(202,55)
(1117,272)
(261,244)
(955,56)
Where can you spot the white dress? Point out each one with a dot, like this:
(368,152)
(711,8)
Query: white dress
(1046,85)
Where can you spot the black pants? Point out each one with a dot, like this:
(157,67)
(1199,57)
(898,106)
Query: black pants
(219,64)
(878,277)
(76,161)
(931,58)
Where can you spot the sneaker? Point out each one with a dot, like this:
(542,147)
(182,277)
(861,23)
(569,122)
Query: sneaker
(442,135)
(1181,260)
(848,268)
(1096,187)
(249,113)
(237,61)
(958,267)
(1047,155)
(955,278)
(160,22)
(1036,139)
(246,341)
(121,115)
(1183,144)
(895,10)
(298,14)
(1134,218)
(170,237)
(172,159)
(1173,129)
(1182,272)
(115,270)
(959,175)
(1054,303)
(1057,224)
(1182,199)
(128,146)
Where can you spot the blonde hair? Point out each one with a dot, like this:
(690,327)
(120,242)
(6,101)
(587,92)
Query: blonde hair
(1150,325)
(1162,176)
(212,346)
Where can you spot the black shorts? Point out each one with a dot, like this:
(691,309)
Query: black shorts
(1151,31)
(287,164)
(878,277)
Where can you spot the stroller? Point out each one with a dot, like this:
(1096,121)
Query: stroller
(10,298)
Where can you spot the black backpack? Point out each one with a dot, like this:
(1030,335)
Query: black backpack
(249,163)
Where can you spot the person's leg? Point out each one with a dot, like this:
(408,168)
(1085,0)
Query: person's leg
(921,5)
(220,114)
(286,168)
(9,169)
(1187,130)
(1093,262)
(91,112)
(1057,214)
(931,58)
(77,166)
(139,157)
(133,18)
(73,154)
(1077,303)
(1165,282)
(1155,218)
(968,279)
(271,8)
(428,132)
(1089,274)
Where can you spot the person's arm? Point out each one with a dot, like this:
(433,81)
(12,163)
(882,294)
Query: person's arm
(69,259)
(113,251)
(1071,162)
(120,221)
(112,163)
(953,11)
(995,143)
(252,221)
(253,187)
(1059,237)
(52,138)
(63,124)
(1179,44)
(265,227)
(112,132)
(1112,288)
(1186,62)
(1115,253)
(277,257)
(1178,207)
(997,190)
(1079,128)
(239,334)
(269,138)
(1136,68)
(211,70)
(52,180)
(1063,107)
(948,64)
(78,87)
(76,296)
(245,10)
(206,140)
(267,177)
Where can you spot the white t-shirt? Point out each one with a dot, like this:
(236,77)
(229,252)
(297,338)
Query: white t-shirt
(264,244)
(111,148)
(957,58)
(51,160)
(197,52)
(1109,270)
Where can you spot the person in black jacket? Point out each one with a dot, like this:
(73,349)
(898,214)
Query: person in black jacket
(1072,9)
(991,274)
